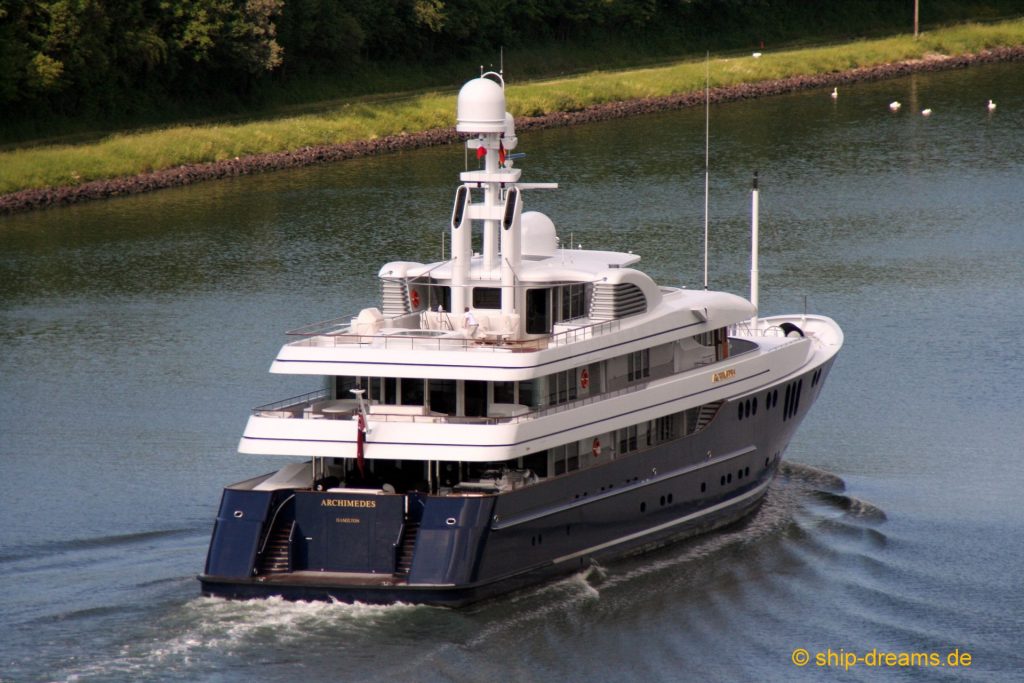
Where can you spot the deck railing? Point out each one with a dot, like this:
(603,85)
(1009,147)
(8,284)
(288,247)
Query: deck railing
(404,332)
(295,403)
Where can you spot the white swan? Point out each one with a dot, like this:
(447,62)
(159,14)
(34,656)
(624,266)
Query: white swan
(835,93)
(991,105)
(926,112)
(895,105)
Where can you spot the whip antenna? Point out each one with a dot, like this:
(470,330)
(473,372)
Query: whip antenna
(707,152)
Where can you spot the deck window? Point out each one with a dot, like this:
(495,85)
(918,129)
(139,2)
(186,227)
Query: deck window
(565,458)
(504,392)
(527,395)
(486,297)
(538,311)
(627,439)
(440,295)
(537,462)
(344,385)
(638,365)
(442,395)
(573,302)
(562,387)
(412,391)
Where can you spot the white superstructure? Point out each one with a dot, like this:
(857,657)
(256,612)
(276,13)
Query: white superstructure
(597,344)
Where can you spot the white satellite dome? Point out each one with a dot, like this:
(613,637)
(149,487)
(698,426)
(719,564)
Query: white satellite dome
(481,107)
(539,236)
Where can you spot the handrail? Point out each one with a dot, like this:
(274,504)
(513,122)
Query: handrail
(396,547)
(341,331)
(273,521)
(308,397)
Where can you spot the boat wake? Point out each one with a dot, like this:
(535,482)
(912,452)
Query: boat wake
(806,516)
(37,551)
(272,632)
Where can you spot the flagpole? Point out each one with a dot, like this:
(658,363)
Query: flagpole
(360,432)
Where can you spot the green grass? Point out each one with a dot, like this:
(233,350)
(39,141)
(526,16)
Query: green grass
(370,118)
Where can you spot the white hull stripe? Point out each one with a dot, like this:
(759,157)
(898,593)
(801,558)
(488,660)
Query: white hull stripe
(667,525)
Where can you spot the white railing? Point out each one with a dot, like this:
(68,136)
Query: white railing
(294,403)
(401,334)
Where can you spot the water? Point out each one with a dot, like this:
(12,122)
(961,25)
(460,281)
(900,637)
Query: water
(136,334)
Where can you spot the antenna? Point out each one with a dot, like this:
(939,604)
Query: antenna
(754,226)
(707,152)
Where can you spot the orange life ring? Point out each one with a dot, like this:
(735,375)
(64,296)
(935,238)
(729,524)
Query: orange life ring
(584,379)
(596,448)
(414,297)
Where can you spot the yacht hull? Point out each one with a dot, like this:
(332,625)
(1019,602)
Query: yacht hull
(347,547)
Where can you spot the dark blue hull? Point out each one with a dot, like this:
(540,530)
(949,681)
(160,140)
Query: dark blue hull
(453,550)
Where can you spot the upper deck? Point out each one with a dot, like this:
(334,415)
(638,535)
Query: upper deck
(439,345)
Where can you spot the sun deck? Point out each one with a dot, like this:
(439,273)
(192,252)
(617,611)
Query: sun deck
(440,331)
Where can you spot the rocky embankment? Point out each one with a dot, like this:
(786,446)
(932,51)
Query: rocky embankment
(186,175)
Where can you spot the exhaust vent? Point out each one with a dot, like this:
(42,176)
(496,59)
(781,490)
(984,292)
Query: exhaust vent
(394,298)
(616,301)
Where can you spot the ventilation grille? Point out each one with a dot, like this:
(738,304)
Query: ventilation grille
(616,301)
(394,298)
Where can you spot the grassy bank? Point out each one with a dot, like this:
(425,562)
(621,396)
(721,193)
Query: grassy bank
(367,119)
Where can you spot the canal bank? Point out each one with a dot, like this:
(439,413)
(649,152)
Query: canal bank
(187,174)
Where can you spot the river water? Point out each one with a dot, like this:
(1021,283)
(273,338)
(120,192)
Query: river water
(136,334)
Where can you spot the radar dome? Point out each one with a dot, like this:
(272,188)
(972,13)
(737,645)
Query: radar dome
(539,236)
(481,107)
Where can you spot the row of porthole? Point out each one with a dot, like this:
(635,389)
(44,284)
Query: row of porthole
(609,487)
(726,479)
(668,499)
(816,377)
(603,488)
(740,473)
(662,501)
(747,408)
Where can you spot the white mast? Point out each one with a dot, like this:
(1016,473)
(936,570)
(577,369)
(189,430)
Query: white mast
(754,220)
(481,113)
